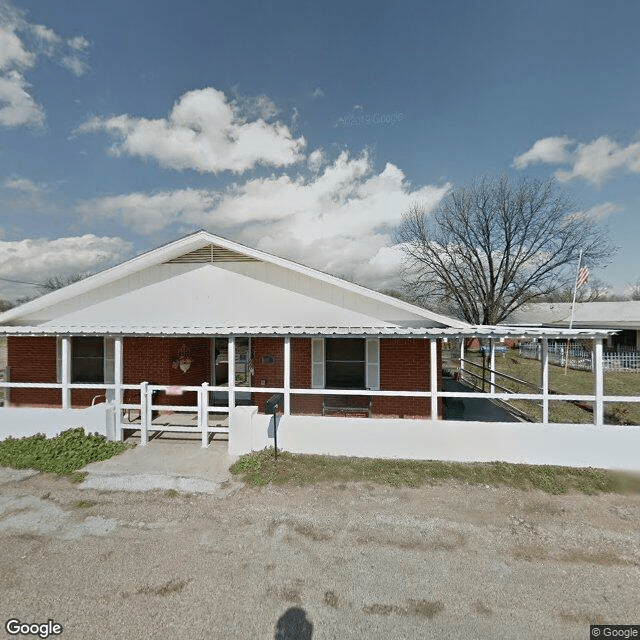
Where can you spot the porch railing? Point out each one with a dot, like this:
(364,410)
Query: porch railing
(203,409)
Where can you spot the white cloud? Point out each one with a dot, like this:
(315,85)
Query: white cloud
(75,65)
(12,51)
(18,183)
(339,220)
(317,93)
(149,213)
(79,43)
(35,260)
(599,212)
(551,150)
(316,160)
(594,162)
(47,40)
(205,132)
(21,42)
(17,106)
(249,107)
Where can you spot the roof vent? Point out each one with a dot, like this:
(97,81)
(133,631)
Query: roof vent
(212,253)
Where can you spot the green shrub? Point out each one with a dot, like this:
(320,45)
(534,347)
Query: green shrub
(64,454)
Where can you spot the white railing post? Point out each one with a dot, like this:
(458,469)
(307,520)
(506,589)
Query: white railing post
(203,413)
(287,375)
(433,371)
(66,372)
(544,374)
(492,365)
(117,379)
(144,413)
(598,413)
(231,356)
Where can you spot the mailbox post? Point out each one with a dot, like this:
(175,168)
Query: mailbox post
(271,406)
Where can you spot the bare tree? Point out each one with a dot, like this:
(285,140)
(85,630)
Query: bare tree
(491,247)
(634,290)
(596,290)
(57,282)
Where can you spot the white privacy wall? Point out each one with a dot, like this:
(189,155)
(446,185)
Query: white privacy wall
(21,422)
(609,447)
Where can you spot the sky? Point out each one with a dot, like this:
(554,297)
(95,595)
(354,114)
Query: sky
(302,129)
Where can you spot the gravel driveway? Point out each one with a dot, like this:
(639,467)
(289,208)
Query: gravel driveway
(332,561)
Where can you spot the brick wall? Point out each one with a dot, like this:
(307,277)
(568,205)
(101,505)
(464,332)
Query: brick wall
(33,359)
(404,365)
(151,360)
(266,375)
(301,378)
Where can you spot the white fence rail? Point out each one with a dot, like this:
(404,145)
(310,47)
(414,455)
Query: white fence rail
(581,358)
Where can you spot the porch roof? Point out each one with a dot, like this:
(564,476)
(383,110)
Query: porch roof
(496,333)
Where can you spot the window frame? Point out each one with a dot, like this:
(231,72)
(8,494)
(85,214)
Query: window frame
(108,360)
(371,363)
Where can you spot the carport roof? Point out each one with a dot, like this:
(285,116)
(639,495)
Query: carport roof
(496,333)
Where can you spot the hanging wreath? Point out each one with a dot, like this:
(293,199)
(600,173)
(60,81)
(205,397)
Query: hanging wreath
(183,360)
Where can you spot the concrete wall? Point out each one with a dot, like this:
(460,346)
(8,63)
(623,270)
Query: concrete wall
(23,422)
(611,447)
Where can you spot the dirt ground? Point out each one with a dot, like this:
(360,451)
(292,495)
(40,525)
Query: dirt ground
(328,561)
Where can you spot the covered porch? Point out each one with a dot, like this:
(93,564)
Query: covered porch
(268,365)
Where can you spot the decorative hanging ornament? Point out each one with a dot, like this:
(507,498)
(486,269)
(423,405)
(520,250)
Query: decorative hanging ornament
(183,360)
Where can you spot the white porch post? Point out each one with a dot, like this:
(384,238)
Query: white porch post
(598,370)
(433,362)
(492,365)
(144,413)
(287,375)
(117,380)
(231,355)
(66,372)
(544,379)
(461,357)
(203,413)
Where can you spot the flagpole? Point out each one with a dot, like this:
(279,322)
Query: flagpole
(573,310)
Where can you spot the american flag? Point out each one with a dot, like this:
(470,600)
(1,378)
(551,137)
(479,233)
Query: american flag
(583,277)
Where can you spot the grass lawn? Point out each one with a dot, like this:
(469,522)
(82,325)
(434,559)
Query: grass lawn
(262,468)
(578,382)
(64,454)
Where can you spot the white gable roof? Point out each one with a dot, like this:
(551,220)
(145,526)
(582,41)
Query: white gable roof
(211,296)
(242,286)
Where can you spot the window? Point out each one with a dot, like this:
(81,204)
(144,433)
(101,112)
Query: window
(345,363)
(92,359)
(87,359)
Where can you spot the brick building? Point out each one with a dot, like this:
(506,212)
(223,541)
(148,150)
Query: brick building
(205,310)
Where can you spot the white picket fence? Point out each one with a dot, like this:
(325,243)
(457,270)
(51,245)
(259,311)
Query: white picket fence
(581,358)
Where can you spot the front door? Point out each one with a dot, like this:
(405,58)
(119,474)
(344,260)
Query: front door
(220,370)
